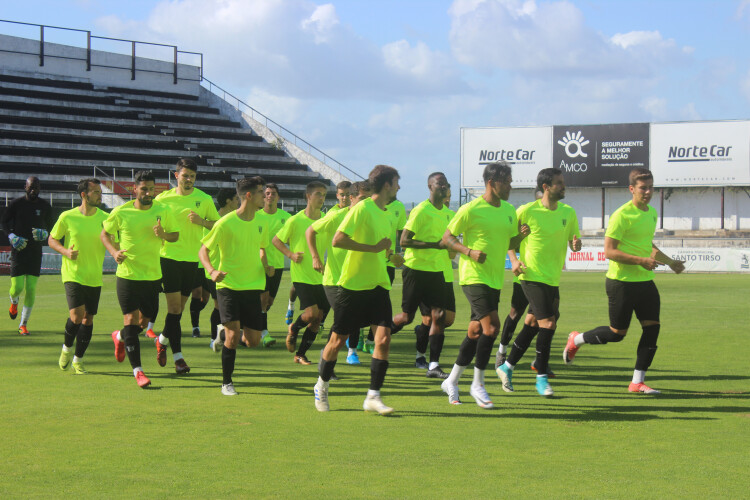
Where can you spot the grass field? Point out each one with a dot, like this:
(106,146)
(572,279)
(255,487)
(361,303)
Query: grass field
(100,436)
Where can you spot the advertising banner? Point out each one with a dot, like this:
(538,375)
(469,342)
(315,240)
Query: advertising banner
(600,155)
(701,153)
(527,149)
(719,260)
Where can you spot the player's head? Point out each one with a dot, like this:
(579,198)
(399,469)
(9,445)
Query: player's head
(497,178)
(145,187)
(185,172)
(550,180)
(90,191)
(447,199)
(384,182)
(271,195)
(360,190)
(344,193)
(227,198)
(641,185)
(32,188)
(438,185)
(250,190)
(315,192)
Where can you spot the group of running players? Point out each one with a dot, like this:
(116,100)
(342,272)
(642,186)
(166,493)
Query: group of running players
(178,243)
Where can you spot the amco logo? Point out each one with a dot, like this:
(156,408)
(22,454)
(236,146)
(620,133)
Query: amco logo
(573,144)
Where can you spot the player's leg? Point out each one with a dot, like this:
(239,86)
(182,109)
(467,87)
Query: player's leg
(437,297)
(86,329)
(647,310)
(126,340)
(16,289)
(490,329)
(272,289)
(198,302)
(316,313)
(230,307)
(29,299)
(377,305)
(76,311)
(410,299)
(518,304)
(290,307)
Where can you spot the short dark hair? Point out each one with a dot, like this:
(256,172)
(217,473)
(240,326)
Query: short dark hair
(361,186)
(344,185)
(224,195)
(312,186)
(435,174)
(144,176)
(83,185)
(188,163)
(273,186)
(245,184)
(639,174)
(545,176)
(380,175)
(498,171)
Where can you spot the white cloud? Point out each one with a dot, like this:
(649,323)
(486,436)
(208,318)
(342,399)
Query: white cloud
(321,22)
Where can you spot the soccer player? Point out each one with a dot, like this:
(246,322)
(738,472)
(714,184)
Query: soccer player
(553,227)
(276,218)
(228,202)
(27,222)
(489,227)
(233,253)
(629,246)
(143,225)
(425,260)
(193,212)
(366,232)
(343,196)
(82,259)
(325,229)
(518,305)
(307,281)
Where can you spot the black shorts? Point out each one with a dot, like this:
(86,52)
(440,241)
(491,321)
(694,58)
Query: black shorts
(357,308)
(81,295)
(449,299)
(135,295)
(242,306)
(200,280)
(625,297)
(27,261)
(482,299)
(544,299)
(422,286)
(332,294)
(273,282)
(211,287)
(311,295)
(391,273)
(178,276)
(518,301)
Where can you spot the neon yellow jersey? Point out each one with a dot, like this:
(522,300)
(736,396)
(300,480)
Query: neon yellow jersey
(366,223)
(428,224)
(545,247)
(82,233)
(275,222)
(448,271)
(293,234)
(397,210)
(135,229)
(186,248)
(334,209)
(234,247)
(326,228)
(634,229)
(489,229)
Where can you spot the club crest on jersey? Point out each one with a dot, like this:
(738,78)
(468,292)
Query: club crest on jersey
(510,220)
(260,229)
(197,204)
(564,222)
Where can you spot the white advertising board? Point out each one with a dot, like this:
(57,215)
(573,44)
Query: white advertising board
(701,153)
(527,149)
(719,260)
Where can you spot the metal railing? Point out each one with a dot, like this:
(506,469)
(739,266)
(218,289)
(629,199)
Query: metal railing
(282,132)
(90,64)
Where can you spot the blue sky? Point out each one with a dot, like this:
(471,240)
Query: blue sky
(393,81)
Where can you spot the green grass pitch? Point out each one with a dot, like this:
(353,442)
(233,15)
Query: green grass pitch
(100,436)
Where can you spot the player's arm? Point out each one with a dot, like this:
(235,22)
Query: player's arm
(196,219)
(170,236)
(451,242)
(216,275)
(613,253)
(676,265)
(281,247)
(70,253)
(270,271)
(575,244)
(523,232)
(312,244)
(112,247)
(408,241)
(517,266)
(343,240)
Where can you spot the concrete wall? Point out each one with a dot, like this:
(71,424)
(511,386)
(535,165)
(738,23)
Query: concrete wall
(69,61)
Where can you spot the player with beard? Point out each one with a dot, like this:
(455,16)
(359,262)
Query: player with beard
(553,227)
(27,222)
(143,225)
(629,246)
(82,259)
